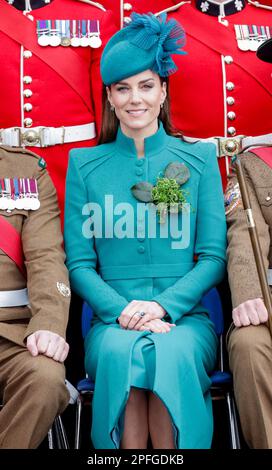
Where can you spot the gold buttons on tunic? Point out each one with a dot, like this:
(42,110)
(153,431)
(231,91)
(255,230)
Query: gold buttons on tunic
(28,107)
(230,100)
(231,115)
(127,6)
(230,86)
(27,79)
(228,59)
(127,19)
(28,122)
(27,93)
(231,130)
(27,54)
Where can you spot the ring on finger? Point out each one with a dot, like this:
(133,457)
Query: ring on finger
(140,314)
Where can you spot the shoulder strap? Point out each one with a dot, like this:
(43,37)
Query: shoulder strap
(22,30)
(11,244)
(94,4)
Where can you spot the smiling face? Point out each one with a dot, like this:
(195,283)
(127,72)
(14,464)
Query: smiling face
(137,102)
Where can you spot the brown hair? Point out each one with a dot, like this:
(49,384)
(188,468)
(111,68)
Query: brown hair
(110,122)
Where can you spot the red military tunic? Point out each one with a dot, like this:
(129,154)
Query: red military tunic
(122,9)
(50,86)
(220,90)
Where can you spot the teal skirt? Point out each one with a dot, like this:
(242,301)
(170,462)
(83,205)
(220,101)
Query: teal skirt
(175,366)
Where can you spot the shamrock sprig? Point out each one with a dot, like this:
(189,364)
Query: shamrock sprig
(166,194)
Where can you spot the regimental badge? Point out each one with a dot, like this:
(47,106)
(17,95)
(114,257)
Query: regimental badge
(250,37)
(232,197)
(63,289)
(19,193)
(75,33)
(42,163)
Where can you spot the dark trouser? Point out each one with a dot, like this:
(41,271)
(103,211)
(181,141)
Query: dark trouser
(33,392)
(250,354)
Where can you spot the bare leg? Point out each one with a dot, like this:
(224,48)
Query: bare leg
(160,426)
(135,433)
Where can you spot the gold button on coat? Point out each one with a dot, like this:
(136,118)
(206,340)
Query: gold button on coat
(127,6)
(230,86)
(231,115)
(27,54)
(231,130)
(28,122)
(28,107)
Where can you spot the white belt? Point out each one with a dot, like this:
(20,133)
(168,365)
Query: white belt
(45,136)
(269,277)
(13,298)
(232,145)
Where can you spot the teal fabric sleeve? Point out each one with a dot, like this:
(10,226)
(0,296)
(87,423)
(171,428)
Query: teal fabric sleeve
(210,247)
(81,255)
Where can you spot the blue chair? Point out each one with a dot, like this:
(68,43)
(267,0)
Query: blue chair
(222,387)
(85,386)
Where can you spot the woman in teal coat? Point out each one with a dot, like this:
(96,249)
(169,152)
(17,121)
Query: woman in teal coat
(145,239)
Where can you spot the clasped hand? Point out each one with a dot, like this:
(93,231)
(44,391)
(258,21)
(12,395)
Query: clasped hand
(151,321)
(49,344)
(251,312)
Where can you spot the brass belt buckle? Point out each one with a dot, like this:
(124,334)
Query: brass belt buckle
(230,146)
(30,137)
(33,137)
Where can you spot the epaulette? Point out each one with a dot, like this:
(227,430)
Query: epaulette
(26,152)
(172,8)
(192,153)
(94,4)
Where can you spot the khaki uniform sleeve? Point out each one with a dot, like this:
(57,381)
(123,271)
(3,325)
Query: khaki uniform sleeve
(47,276)
(243,276)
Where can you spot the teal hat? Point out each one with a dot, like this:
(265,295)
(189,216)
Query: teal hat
(146,43)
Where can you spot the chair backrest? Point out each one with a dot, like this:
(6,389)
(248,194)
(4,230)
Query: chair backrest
(212,302)
(86,318)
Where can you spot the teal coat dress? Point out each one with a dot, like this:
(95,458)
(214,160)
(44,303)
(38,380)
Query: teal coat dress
(108,270)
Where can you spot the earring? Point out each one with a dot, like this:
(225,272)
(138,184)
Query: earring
(112,108)
(162,105)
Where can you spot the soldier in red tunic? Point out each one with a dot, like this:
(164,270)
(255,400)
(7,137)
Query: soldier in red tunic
(222,91)
(50,87)
(122,9)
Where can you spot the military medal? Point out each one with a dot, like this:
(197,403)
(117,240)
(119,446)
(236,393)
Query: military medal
(43,33)
(10,203)
(54,33)
(18,200)
(94,34)
(75,33)
(250,37)
(75,41)
(3,199)
(95,42)
(83,39)
(35,203)
(242,45)
(65,33)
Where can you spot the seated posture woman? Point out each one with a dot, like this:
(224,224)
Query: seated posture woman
(145,239)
